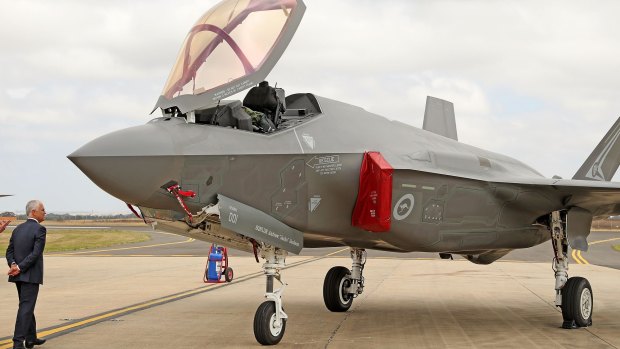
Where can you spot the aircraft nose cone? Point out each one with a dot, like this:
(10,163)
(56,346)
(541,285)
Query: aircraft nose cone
(130,164)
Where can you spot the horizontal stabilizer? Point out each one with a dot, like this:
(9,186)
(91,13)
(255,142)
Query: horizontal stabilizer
(439,117)
(602,164)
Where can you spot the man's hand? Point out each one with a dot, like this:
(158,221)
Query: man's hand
(14,271)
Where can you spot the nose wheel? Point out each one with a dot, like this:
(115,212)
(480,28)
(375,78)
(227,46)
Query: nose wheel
(270,318)
(268,330)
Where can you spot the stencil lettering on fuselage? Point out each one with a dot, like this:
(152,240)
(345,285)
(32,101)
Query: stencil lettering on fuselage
(325,165)
(250,222)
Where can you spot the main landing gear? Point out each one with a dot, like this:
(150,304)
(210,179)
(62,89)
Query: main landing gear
(573,295)
(270,318)
(341,285)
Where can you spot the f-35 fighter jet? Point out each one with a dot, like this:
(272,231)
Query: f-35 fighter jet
(274,173)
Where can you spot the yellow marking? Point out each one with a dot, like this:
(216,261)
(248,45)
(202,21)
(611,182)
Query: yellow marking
(578,257)
(600,241)
(160,255)
(6,344)
(120,312)
(576,254)
(129,255)
(333,253)
(132,248)
(581,257)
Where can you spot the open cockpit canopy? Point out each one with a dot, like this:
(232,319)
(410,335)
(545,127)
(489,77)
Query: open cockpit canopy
(232,47)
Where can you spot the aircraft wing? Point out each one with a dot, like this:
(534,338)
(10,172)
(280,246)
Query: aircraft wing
(599,198)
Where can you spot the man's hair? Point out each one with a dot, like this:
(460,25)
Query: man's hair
(32,205)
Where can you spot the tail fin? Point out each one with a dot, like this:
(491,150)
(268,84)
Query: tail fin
(439,117)
(602,164)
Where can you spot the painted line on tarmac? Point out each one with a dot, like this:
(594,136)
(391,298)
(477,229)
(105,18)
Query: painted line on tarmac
(130,255)
(601,241)
(124,248)
(576,254)
(57,331)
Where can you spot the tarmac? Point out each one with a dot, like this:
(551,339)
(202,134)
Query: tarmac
(162,302)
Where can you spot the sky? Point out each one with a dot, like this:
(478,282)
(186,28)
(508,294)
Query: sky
(535,80)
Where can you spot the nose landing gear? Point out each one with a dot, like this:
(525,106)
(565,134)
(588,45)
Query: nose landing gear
(270,318)
(573,295)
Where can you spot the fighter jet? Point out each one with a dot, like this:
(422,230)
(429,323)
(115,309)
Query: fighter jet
(273,173)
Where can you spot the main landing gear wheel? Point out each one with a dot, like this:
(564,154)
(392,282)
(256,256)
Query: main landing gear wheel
(267,330)
(335,296)
(577,303)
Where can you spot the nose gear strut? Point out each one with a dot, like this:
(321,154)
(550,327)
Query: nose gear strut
(270,318)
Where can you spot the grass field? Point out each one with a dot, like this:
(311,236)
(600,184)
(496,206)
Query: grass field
(76,239)
(92,222)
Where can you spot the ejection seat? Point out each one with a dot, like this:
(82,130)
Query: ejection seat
(232,114)
(266,99)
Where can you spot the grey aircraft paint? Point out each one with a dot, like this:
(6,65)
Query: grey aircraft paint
(466,199)
(250,187)
(258,225)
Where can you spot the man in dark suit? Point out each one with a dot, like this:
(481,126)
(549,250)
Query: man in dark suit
(25,258)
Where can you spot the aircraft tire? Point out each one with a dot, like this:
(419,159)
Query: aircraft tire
(229,274)
(336,281)
(577,301)
(264,330)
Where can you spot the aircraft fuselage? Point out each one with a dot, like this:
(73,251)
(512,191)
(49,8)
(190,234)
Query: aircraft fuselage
(307,176)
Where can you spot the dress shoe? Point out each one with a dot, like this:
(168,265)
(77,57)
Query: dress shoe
(31,344)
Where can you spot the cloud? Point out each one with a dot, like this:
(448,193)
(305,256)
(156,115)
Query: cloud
(534,80)
(18,92)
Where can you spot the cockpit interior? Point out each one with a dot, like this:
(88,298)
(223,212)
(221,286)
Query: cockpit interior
(264,109)
(230,49)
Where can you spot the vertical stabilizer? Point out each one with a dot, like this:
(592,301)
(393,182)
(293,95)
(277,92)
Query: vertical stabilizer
(602,164)
(439,117)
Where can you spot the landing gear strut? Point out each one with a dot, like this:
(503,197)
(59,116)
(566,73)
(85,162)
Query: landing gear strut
(270,318)
(573,295)
(341,285)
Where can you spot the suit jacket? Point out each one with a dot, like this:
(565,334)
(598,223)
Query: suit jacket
(26,249)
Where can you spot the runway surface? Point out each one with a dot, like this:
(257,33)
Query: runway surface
(166,244)
(110,299)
